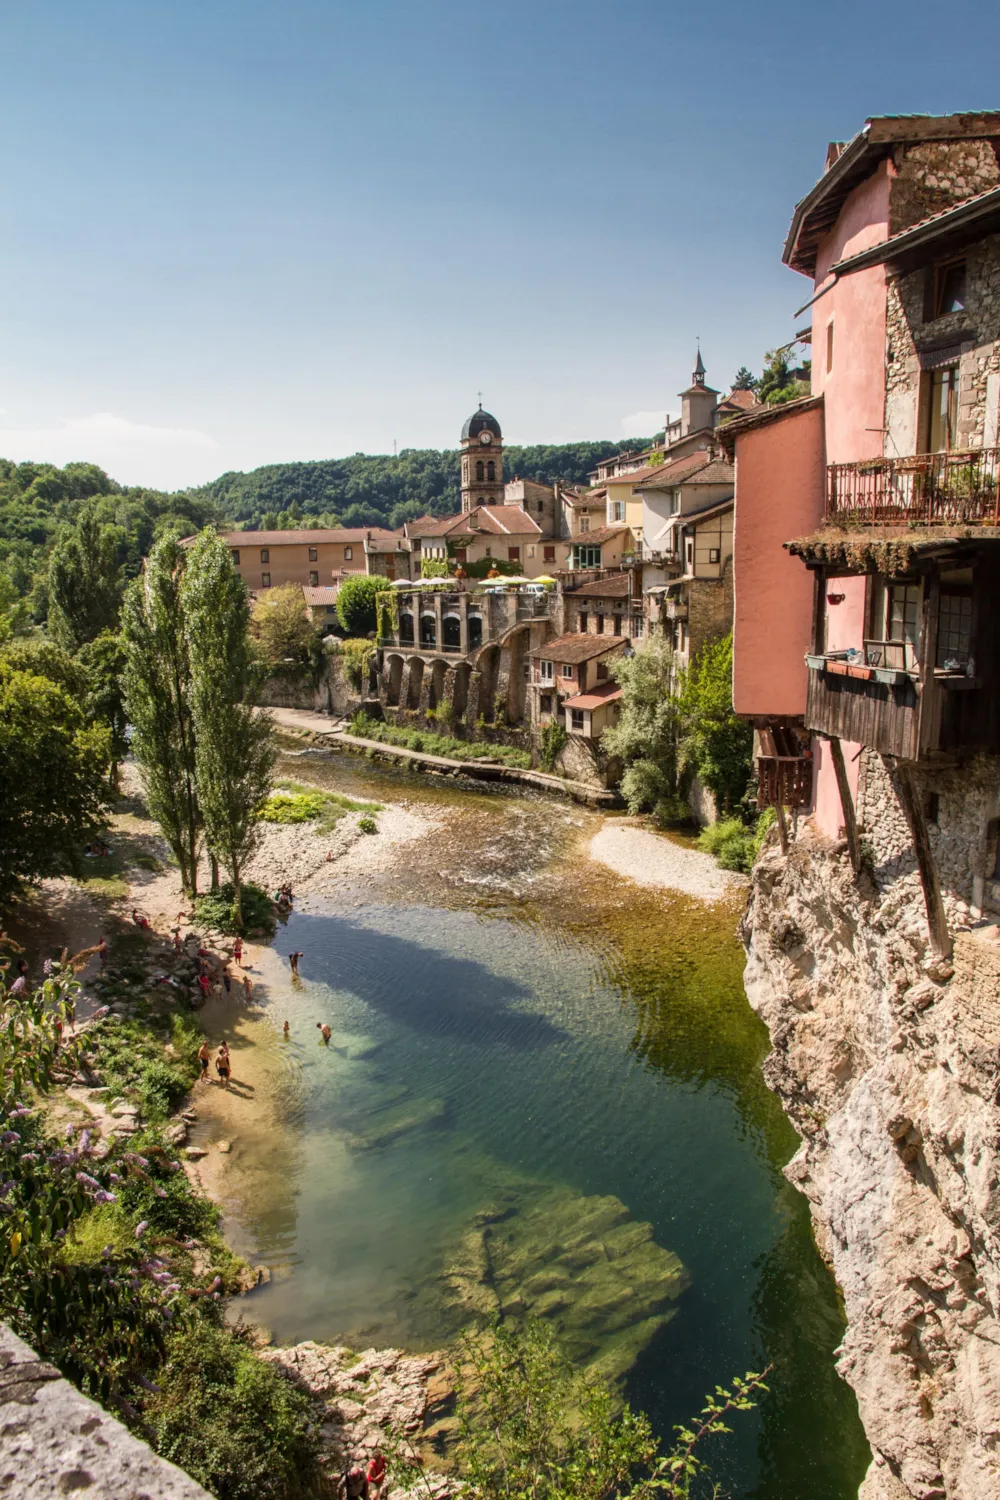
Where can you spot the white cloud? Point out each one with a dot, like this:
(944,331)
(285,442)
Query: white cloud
(642,423)
(131,452)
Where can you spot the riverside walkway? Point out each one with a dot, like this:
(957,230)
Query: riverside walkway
(333,732)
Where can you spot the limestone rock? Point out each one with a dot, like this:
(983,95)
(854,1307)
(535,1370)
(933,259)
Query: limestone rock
(195,1153)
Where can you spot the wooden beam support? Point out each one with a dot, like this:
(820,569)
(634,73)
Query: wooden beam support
(937,921)
(846,803)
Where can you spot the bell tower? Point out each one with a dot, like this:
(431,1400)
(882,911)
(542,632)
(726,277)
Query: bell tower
(482,461)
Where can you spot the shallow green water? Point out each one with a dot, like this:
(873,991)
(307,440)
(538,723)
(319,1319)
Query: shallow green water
(506,1015)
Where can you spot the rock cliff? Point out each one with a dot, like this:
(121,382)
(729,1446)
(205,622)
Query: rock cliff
(886,1062)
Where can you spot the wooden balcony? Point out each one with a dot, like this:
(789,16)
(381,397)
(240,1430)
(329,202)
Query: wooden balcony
(931,489)
(850,703)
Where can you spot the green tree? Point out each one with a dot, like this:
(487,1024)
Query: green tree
(714,741)
(85,581)
(234,746)
(646,735)
(102,662)
(53,771)
(779,382)
(281,625)
(43,658)
(534,1428)
(158,702)
(745,380)
(356,609)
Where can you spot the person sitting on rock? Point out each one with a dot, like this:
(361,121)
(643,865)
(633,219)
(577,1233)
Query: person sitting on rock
(376,1475)
(353,1485)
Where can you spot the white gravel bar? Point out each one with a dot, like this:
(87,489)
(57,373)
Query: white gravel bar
(654,859)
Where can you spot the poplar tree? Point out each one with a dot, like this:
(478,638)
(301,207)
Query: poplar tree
(84,581)
(234,746)
(158,700)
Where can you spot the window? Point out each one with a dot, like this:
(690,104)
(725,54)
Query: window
(545,703)
(636,626)
(489,552)
(587,557)
(348,554)
(599,624)
(265,580)
(541,506)
(265,554)
(513,554)
(602,671)
(567,670)
(585,521)
(714,554)
(545,671)
(480,471)
(616,625)
(954,632)
(548,554)
(582,621)
(313,580)
(475,631)
(949,288)
(406,630)
(491,470)
(313,555)
(675,502)
(576,718)
(428,630)
(942,409)
(829,346)
(234,554)
(331,609)
(618,510)
(689,555)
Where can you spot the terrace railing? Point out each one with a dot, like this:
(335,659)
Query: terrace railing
(930,489)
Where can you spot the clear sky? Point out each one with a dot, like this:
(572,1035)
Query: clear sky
(244,231)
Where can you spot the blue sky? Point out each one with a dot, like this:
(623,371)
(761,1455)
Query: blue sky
(245,231)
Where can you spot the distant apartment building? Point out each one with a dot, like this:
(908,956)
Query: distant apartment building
(314,559)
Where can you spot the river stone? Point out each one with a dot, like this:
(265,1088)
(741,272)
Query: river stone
(195,1153)
(581,1263)
(392,1124)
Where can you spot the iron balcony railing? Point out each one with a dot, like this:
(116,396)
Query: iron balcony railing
(928,488)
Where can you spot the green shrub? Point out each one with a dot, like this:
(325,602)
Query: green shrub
(672,811)
(230,1419)
(293,807)
(368,825)
(218,909)
(735,844)
(132,1061)
(358,656)
(433,567)
(437,744)
(356,602)
(553,742)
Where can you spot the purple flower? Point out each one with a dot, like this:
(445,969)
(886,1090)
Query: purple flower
(47,967)
(6,1187)
(87,1182)
(70,1132)
(85,1141)
(101,1012)
(160,1192)
(9,1138)
(29,1156)
(113,1177)
(140,1229)
(103,1196)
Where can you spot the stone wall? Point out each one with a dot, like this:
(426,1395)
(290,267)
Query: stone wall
(710,609)
(975,332)
(329,693)
(56,1442)
(932,175)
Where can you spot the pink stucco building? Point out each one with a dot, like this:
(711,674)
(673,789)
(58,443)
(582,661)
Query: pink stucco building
(867,522)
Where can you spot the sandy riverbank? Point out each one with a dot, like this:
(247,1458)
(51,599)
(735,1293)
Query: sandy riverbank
(655,859)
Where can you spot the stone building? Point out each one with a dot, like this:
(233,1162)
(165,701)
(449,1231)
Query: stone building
(867,655)
(267,559)
(482,461)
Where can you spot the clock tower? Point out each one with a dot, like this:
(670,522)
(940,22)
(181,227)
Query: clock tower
(482,461)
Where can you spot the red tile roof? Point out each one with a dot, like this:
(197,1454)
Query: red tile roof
(324,594)
(678,470)
(579,647)
(494,520)
(615,587)
(317,538)
(595,697)
(600,536)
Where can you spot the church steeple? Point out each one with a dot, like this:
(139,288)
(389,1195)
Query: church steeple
(698,378)
(698,402)
(482,461)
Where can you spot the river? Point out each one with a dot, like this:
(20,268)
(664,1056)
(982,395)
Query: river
(526,1041)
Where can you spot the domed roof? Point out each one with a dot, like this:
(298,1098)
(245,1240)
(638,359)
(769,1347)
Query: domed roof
(479,422)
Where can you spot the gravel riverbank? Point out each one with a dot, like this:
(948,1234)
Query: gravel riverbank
(655,859)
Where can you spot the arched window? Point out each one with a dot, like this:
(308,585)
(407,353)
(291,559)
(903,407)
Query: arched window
(475,631)
(406,629)
(479,469)
(451,633)
(491,470)
(428,630)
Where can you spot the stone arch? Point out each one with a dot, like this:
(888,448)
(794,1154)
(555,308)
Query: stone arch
(488,663)
(406,634)
(435,687)
(414,682)
(392,674)
(479,470)
(460,696)
(491,470)
(475,630)
(451,632)
(428,628)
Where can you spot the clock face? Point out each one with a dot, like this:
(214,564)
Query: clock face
(486,438)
